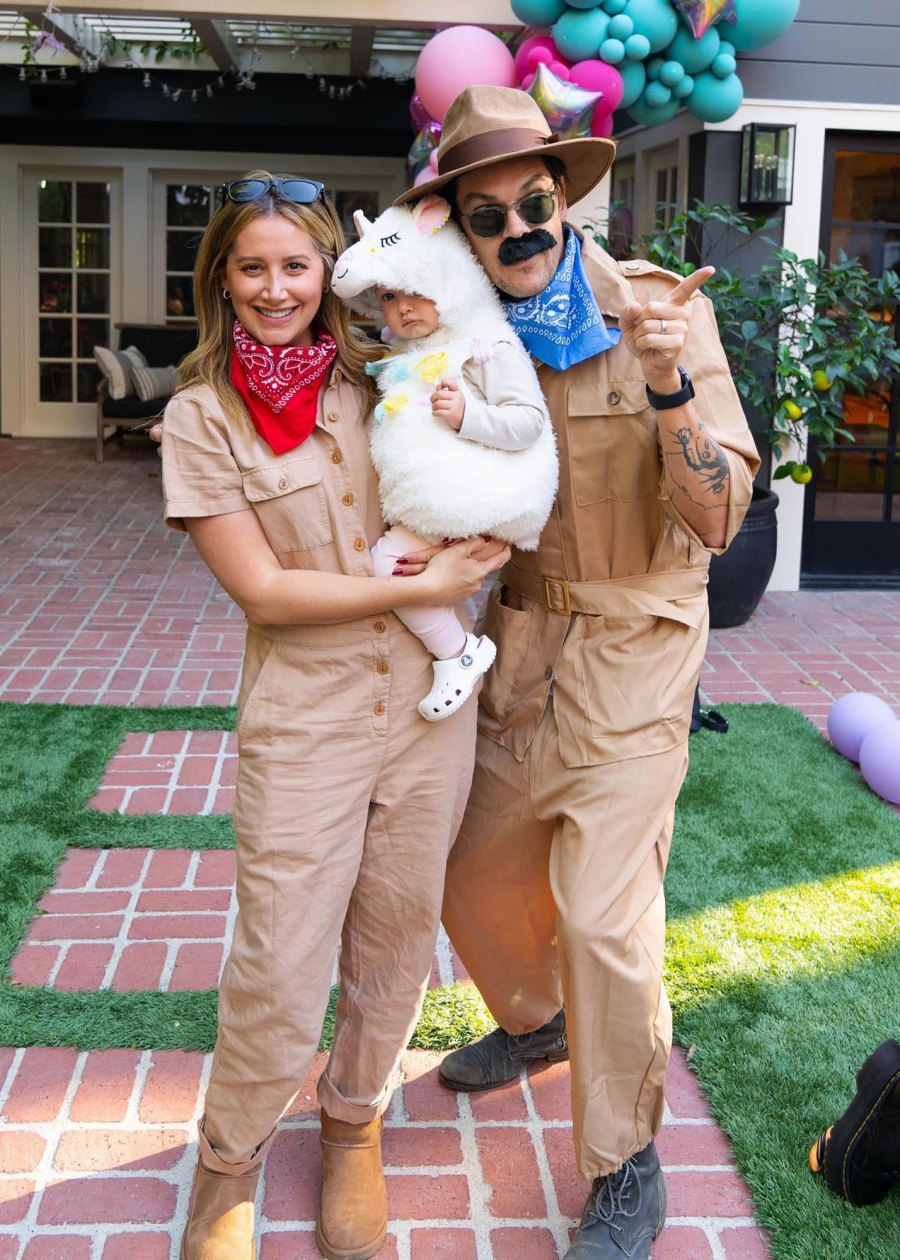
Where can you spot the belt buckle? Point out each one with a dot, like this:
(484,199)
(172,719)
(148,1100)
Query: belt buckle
(552,585)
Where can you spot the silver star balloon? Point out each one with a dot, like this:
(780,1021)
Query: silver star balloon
(566,107)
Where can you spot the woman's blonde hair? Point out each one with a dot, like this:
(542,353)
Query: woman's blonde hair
(210,363)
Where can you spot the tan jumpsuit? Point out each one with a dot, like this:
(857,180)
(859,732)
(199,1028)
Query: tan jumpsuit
(347,801)
(555,885)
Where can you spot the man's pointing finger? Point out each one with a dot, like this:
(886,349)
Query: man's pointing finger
(686,288)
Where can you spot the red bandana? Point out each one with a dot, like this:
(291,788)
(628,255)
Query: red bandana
(280,386)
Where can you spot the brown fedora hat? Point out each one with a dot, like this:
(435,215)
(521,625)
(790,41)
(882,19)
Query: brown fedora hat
(485,125)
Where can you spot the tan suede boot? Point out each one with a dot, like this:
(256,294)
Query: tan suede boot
(220,1224)
(353,1215)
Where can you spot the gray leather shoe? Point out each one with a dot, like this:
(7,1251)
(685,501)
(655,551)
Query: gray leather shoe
(624,1212)
(500,1056)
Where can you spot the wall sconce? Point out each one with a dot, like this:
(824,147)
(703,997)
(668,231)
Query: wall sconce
(767,164)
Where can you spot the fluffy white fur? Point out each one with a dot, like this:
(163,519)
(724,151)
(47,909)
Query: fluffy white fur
(432,480)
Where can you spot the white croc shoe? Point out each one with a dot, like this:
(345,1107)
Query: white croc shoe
(455,679)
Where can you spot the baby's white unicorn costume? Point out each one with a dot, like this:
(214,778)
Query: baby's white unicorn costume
(498,474)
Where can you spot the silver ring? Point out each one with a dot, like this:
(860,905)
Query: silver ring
(663,325)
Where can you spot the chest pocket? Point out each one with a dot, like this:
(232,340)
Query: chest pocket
(290,501)
(613,441)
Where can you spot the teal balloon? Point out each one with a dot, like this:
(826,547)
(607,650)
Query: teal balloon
(761,21)
(723,66)
(579,33)
(650,115)
(654,18)
(671,73)
(713,99)
(540,13)
(613,7)
(634,80)
(657,94)
(684,88)
(621,26)
(654,66)
(637,47)
(694,54)
(612,51)
(725,47)
(584,4)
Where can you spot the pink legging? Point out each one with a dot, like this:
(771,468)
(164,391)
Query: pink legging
(439,628)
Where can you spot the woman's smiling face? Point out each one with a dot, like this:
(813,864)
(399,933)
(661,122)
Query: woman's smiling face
(276,276)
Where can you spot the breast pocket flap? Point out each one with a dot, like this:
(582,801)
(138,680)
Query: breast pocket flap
(277,479)
(610,398)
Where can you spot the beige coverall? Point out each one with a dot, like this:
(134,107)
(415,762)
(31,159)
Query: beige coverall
(347,801)
(555,884)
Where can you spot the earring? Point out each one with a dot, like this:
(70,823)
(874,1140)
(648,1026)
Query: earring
(226,294)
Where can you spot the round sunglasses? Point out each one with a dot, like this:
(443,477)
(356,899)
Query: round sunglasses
(535,209)
(301,191)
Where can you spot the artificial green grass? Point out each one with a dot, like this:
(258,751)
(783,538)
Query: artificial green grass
(783,962)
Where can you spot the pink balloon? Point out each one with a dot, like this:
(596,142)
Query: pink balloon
(535,41)
(424,175)
(597,76)
(601,124)
(561,71)
(527,82)
(418,114)
(537,55)
(457,58)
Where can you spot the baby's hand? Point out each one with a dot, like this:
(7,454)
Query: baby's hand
(448,404)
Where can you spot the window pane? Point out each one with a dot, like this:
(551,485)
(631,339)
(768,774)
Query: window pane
(91,332)
(187,205)
(56,382)
(93,293)
(92,247)
(348,200)
(55,247)
(181,250)
(54,201)
(867,187)
(868,416)
(55,338)
(87,376)
(55,291)
(92,203)
(179,296)
(850,486)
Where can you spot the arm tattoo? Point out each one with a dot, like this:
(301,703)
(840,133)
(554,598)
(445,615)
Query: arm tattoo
(703,456)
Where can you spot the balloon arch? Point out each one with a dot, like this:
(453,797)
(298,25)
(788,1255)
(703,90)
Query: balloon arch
(583,59)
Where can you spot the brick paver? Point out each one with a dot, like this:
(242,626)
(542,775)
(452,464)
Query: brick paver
(99,603)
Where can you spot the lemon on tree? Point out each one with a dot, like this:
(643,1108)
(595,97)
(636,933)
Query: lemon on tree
(801,473)
(820,380)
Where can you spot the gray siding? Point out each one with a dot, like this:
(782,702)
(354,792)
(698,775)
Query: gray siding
(836,50)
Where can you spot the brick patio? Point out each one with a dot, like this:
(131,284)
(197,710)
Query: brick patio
(100,604)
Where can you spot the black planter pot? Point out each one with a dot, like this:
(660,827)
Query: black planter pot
(738,579)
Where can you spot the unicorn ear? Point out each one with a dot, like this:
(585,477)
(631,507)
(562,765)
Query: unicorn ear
(361,223)
(430,214)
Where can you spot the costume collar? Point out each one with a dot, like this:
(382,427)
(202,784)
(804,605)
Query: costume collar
(562,325)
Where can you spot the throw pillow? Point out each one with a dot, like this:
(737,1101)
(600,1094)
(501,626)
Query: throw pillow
(150,383)
(117,367)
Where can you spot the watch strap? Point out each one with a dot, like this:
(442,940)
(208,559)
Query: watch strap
(665,402)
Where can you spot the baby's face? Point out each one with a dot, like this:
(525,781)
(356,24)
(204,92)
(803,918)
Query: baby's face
(407,315)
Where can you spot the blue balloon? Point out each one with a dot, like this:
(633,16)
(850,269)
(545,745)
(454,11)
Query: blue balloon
(614,6)
(584,4)
(694,54)
(540,13)
(650,115)
(654,18)
(761,21)
(612,51)
(725,47)
(654,66)
(637,47)
(671,73)
(579,33)
(657,94)
(634,80)
(713,99)
(621,26)
(723,66)
(684,88)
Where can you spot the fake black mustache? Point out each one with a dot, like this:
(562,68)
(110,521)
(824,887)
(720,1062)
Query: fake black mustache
(517,249)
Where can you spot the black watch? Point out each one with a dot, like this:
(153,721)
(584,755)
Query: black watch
(665,402)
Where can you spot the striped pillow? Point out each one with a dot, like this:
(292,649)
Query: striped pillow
(117,367)
(150,383)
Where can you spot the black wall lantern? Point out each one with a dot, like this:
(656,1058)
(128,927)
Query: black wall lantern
(767,164)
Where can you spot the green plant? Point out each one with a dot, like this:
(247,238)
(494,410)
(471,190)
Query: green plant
(799,333)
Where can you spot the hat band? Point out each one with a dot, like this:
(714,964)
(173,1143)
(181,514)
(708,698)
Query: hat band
(506,142)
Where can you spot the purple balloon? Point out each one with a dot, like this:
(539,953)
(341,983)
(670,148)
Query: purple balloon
(852,717)
(418,114)
(879,760)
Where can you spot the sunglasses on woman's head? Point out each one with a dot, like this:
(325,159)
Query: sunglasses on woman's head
(535,209)
(301,191)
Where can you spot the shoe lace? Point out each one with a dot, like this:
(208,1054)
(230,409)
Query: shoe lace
(613,1194)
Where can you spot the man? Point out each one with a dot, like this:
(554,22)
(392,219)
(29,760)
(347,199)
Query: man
(554,895)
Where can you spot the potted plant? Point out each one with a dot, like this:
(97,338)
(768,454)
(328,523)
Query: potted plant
(798,333)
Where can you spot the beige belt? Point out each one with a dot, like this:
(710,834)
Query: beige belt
(649,593)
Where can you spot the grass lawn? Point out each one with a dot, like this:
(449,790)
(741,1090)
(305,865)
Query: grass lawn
(784,936)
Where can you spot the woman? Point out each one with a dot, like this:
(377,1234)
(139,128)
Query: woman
(342,823)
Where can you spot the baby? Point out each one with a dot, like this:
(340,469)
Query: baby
(461,442)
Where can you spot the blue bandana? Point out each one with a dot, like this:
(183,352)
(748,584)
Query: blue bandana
(562,324)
